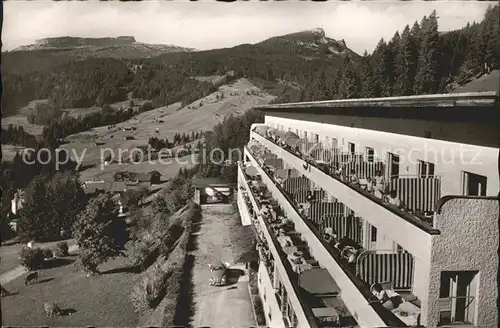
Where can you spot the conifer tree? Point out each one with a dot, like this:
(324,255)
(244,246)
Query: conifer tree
(382,70)
(350,86)
(37,219)
(426,79)
(406,64)
(366,77)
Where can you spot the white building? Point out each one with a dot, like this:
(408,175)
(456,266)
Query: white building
(434,248)
(17,202)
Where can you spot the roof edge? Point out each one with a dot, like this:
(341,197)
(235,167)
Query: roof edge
(486,98)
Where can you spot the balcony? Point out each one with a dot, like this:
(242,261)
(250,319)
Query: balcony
(305,317)
(410,230)
(297,261)
(356,293)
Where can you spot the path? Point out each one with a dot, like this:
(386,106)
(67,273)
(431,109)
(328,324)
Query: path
(224,306)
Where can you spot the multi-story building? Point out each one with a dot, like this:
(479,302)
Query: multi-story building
(377,212)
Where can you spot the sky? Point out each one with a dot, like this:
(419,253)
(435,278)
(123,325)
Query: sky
(209,25)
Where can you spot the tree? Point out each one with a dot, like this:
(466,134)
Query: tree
(426,78)
(382,69)
(100,234)
(405,63)
(350,87)
(37,218)
(366,77)
(132,198)
(67,198)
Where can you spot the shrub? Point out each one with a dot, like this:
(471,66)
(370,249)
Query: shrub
(144,254)
(62,249)
(47,253)
(259,311)
(32,258)
(151,290)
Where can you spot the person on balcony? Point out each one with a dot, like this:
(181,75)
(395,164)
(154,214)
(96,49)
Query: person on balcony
(302,210)
(388,298)
(309,197)
(393,199)
(379,184)
(370,185)
(353,178)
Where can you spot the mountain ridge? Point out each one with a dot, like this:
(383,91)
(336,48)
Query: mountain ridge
(69,42)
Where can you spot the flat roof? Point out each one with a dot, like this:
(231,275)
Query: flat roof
(469,99)
(212,182)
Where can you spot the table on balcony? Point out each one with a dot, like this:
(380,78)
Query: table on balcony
(408,313)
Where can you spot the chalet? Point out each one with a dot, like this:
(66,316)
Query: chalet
(152,177)
(92,187)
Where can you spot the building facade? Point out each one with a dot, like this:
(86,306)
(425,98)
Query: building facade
(394,200)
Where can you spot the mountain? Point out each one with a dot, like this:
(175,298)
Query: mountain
(119,47)
(50,52)
(311,43)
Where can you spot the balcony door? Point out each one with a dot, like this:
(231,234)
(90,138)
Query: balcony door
(457,297)
(393,165)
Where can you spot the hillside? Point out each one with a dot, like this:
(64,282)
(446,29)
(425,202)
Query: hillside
(487,82)
(238,97)
(55,51)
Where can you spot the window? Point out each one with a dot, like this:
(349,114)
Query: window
(425,169)
(370,154)
(351,147)
(393,165)
(297,132)
(289,129)
(374,234)
(305,135)
(474,184)
(316,137)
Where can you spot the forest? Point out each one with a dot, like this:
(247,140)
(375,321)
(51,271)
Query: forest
(416,60)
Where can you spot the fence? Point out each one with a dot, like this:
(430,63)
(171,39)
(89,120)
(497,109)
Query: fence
(319,209)
(418,194)
(364,169)
(397,268)
(277,163)
(292,185)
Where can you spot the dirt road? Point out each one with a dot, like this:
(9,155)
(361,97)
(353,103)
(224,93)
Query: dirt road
(217,240)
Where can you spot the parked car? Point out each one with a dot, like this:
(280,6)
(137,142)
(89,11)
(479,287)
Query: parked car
(218,274)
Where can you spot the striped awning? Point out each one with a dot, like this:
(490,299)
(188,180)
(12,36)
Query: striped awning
(291,134)
(396,268)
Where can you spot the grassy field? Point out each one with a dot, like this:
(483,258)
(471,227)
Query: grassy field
(175,119)
(167,169)
(10,252)
(99,301)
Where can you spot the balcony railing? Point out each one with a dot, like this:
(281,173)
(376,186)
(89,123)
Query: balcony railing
(372,266)
(289,272)
(386,315)
(416,219)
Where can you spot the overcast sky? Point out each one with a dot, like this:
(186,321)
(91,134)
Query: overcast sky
(208,25)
